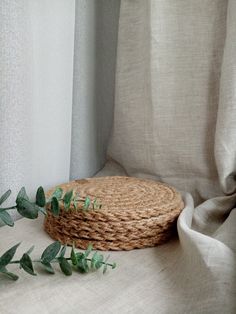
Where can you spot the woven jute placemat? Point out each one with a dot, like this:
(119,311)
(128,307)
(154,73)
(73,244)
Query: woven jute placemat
(135,213)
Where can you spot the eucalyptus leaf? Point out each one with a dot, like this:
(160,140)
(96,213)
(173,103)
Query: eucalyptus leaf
(58,193)
(55,208)
(48,267)
(63,251)
(10,275)
(93,260)
(26,208)
(27,265)
(8,255)
(42,210)
(65,266)
(73,256)
(67,199)
(75,204)
(30,250)
(104,269)
(82,265)
(6,218)
(51,252)
(5,196)
(40,197)
(87,203)
(22,194)
(96,204)
(89,250)
(79,255)
(97,261)
(105,264)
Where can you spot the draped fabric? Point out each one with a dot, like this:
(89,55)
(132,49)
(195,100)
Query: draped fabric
(175,121)
(172,78)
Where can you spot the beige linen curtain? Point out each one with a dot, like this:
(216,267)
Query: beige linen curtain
(175,121)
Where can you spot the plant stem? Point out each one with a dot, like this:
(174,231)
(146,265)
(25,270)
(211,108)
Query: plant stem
(89,259)
(7,208)
(56,261)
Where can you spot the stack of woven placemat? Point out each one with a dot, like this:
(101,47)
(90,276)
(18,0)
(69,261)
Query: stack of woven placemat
(135,213)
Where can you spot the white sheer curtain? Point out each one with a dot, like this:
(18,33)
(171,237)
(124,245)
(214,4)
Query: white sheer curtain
(46,47)
(15,95)
(36,72)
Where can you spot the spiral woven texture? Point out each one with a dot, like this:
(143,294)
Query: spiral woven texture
(135,213)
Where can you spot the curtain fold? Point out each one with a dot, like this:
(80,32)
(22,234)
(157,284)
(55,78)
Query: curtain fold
(174,121)
(96,26)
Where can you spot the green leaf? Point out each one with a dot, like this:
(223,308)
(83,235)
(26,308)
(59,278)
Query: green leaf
(57,193)
(5,196)
(79,255)
(93,260)
(87,203)
(48,267)
(67,199)
(6,218)
(105,265)
(30,250)
(27,265)
(10,275)
(26,208)
(88,251)
(51,252)
(42,210)
(22,194)
(55,208)
(40,197)
(8,255)
(65,266)
(113,266)
(82,265)
(96,204)
(63,251)
(104,269)
(96,261)
(75,204)
(73,255)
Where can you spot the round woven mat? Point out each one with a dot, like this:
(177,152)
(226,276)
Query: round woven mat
(135,213)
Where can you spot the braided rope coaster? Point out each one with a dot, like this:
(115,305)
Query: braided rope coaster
(135,213)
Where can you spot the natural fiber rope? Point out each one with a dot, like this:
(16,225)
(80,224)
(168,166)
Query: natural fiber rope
(115,245)
(135,213)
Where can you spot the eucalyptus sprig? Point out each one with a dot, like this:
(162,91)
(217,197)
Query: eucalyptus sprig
(23,205)
(55,253)
(30,209)
(71,200)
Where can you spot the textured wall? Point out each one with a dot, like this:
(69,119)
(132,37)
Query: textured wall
(94,77)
